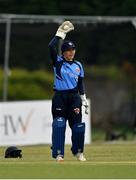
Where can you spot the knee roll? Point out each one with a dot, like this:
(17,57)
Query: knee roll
(59,122)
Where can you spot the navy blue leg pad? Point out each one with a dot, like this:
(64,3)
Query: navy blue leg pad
(58,136)
(78,136)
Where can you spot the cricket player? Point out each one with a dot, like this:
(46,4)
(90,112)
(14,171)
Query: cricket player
(69,96)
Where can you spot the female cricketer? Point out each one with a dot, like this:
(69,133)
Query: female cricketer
(69,96)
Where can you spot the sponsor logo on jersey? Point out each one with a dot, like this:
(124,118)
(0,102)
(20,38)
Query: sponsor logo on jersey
(77,69)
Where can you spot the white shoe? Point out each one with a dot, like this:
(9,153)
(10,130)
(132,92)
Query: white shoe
(80,157)
(59,158)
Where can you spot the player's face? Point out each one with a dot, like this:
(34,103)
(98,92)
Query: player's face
(69,55)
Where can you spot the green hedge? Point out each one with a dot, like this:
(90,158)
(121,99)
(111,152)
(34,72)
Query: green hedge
(110,72)
(28,85)
(34,85)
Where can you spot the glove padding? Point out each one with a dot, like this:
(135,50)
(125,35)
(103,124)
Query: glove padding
(85,103)
(64,28)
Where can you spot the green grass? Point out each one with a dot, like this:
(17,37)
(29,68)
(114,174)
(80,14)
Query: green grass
(104,160)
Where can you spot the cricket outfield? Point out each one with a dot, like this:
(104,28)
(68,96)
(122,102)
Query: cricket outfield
(104,160)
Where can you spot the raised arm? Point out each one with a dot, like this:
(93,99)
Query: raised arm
(53,48)
(63,29)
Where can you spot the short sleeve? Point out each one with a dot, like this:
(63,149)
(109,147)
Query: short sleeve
(81,69)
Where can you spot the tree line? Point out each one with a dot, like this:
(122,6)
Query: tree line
(81,7)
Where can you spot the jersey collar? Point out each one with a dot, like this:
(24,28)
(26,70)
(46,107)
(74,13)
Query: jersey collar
(69,62)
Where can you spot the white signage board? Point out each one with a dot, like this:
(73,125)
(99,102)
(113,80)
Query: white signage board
(30,122)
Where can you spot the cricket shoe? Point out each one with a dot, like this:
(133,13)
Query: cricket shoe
(80,157)
(59,158)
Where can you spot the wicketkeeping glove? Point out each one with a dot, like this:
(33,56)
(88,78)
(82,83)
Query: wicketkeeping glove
(64,28)
(85,103)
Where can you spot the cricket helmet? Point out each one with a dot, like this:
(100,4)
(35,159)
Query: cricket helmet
(13,152)
(67,45)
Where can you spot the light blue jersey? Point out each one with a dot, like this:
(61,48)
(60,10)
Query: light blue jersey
(66,74)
